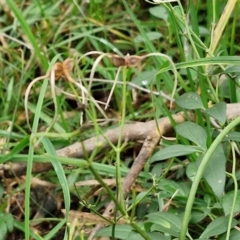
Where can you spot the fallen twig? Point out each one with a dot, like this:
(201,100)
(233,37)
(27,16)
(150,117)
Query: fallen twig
(132,132)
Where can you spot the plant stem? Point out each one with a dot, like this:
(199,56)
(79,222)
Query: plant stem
(233,175)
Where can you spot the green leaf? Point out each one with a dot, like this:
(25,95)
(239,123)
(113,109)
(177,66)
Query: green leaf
(6,224)
(18,148)
(214,172)
(61,178)
(193,132)
(227,202)
(27,31)
(153,236)
(165,222)
(9,221)
(171,187)
(157,169)
(234,235)
(170,231)
(191,170)
(197,216)
(218,111)
(151,36)
(231,69)
(217,227)
(232,136)
(174,221)
(3,230)
(174,151)
(159,12)
(190,100)
(120,231)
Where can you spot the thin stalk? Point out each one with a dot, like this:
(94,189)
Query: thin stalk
(232,85)
(140,231)
(233,175)
(213,23)
(119,148)
(30,163)
(108,190)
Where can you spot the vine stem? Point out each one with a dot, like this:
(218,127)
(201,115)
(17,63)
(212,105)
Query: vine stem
(233,176)
(202,166)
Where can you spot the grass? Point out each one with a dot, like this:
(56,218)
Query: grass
(53,53)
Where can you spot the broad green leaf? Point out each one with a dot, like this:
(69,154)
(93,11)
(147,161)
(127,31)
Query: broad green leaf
(197,216)
(151,36)
(6,224)
(159,12)
(3,230)
(120,231)
(147,225)
(227,202)
(171,187)
(157,169)
(231,69)
(193,132)
(190,100)
(232,136)
(218,111)
(191,170)
(165,222)
(174,221)
(217,227)
(234,235)
(214,172)
(158,228)
(8,219)
(174,151)
(141,196)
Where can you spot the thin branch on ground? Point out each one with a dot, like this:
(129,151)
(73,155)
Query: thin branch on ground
(133,132)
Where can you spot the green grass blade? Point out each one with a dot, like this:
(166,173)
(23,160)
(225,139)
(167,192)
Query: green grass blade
(28,33)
